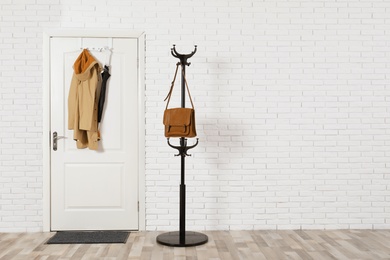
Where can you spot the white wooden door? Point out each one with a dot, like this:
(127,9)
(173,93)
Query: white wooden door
(95,190)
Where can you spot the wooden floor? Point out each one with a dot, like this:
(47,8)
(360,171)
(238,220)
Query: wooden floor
(337,244)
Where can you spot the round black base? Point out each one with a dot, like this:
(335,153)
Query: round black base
(173,239)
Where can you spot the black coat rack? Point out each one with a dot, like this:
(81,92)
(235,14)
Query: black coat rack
(182,238)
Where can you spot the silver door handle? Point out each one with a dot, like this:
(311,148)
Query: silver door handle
(55,139)
(55,136)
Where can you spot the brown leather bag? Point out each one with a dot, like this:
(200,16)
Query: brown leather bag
(179,122)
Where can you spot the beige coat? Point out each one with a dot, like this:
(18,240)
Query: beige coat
(83,101)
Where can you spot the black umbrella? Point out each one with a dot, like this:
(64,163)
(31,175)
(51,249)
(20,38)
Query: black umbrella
(105,76)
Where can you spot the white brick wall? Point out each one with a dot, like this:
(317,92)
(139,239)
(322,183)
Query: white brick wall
(292,102)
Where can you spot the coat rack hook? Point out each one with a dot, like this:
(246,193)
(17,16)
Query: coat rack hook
(178,148)
(174,52)
(194,145)
(183,148)
(183,57)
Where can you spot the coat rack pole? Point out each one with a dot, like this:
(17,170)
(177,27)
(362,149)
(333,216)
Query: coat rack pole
(182,224)
(183,86)
(182,238)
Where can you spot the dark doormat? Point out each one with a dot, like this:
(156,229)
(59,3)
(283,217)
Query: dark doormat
(89,237)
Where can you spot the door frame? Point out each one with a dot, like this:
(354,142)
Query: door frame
(46,136)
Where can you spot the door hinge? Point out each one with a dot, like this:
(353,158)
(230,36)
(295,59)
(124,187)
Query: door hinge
(138,205)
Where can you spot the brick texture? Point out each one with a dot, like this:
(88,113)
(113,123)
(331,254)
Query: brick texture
(292,101)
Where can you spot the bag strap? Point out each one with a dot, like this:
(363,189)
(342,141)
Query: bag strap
(172,85)
(188,90)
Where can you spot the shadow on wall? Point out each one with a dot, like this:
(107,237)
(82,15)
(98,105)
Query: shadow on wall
(218,160)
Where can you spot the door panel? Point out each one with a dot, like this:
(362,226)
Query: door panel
(96,190)
(103,190)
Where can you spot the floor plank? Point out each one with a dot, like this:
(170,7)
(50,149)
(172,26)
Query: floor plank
(222,245)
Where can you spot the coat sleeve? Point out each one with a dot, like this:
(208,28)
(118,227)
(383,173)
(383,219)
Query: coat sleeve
(88,96)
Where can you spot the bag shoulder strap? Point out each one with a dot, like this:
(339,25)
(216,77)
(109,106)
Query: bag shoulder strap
(188,90)
(172,85)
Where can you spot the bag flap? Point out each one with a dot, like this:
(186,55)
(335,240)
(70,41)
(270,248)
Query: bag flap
(177,116)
